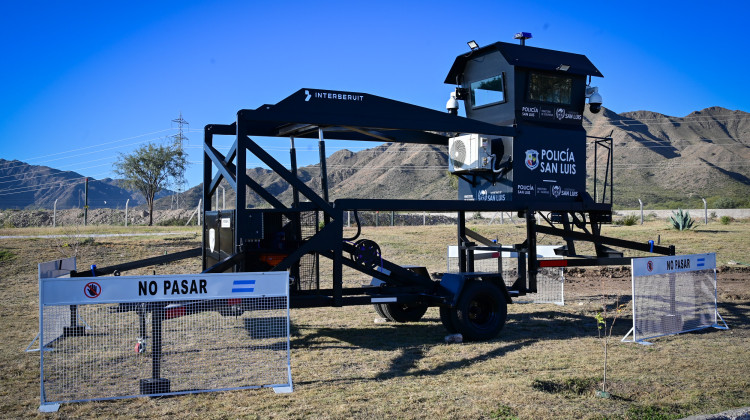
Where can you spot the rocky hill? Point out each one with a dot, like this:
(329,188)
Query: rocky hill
(671,160)
(25,186)
(665,161)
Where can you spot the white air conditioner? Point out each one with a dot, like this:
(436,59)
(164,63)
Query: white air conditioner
(469,152)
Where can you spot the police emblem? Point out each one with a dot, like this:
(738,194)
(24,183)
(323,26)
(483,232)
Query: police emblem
(532,159)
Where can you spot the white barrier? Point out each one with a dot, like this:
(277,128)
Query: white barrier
(165,335)
(672,295)
(61,319)
(550,280)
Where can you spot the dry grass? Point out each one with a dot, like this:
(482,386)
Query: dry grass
(546,364)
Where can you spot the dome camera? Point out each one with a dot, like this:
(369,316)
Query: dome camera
(595,99)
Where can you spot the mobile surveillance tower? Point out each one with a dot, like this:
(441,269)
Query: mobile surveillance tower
(520,148)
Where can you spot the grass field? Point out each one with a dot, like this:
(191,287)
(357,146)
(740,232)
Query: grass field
(547,363)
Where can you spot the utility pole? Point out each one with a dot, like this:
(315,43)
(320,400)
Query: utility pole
(86,203)
(179,140)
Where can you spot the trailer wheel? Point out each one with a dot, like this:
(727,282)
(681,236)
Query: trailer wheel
(480,312)
(400,312)
(379,309)
(446,317)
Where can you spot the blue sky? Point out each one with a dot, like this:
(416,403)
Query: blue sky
(84,81)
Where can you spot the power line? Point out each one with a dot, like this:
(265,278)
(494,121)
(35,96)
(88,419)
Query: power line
(80,154)
(27,160)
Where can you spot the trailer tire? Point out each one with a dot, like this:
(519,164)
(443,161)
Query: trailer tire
(446,317)
(400,312)
(379,309)
(481,311)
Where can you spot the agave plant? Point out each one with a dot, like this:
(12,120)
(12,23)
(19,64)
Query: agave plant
(681,220)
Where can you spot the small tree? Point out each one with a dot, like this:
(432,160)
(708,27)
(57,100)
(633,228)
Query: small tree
(151,168)
(605,327)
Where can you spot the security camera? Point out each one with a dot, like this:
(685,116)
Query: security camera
(595,99)
(452,105)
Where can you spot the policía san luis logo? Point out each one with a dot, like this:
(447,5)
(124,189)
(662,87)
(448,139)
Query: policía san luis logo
(532,159)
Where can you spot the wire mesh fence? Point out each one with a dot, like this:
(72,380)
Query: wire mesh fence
(550,281)
(159,346)
(673,294)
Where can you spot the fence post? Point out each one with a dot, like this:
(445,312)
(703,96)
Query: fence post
(126,212)
(200,201)
(392,217)
(705,209)
(641,204)
(424,218)
(54,214)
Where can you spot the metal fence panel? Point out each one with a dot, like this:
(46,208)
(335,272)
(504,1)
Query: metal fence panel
(150,335)
(672,295)
(550,280)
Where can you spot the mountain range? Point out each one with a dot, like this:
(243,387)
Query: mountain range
(24,186)
(664,161)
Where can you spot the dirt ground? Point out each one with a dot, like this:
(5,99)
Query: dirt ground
(545,364)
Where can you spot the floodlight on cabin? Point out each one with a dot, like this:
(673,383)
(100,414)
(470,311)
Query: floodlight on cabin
(563,67)
(473,45)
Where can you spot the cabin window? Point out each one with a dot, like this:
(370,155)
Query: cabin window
(488,91)
(550,88)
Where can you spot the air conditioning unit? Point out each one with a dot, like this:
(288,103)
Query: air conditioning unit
(469,152)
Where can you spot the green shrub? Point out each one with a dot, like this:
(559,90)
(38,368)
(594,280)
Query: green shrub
(629,220)
(726,203)
(6,255)
(504,413)
(681,220)
(725,220)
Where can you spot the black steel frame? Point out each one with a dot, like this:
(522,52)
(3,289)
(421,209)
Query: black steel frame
(407,124)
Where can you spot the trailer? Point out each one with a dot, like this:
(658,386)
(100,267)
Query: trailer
(521,148)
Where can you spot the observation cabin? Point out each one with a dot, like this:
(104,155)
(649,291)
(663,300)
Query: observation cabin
(543,94)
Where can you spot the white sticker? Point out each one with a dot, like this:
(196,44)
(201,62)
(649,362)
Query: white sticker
(226,222)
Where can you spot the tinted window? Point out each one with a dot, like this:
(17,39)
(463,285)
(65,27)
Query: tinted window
(487,91)
(549,88)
